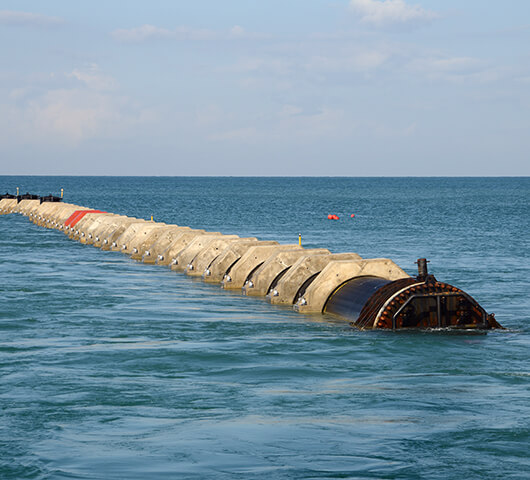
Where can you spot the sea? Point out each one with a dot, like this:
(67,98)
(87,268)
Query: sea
(112,369)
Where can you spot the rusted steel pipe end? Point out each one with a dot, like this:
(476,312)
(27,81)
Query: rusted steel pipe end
(416,303)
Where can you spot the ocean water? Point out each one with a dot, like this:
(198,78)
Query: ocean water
(112,369)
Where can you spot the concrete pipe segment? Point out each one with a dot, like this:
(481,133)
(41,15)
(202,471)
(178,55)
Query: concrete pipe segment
(170,254)
(106,230)
(221,265)
(206,256)
(163,240)
(262,280)
(92,223)
(7,202)
(198,244)
(286,289)
(149,241)
(368,293)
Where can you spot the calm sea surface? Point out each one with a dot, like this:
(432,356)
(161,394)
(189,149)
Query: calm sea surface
(112,369)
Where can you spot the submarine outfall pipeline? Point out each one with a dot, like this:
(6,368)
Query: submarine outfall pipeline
(370,293)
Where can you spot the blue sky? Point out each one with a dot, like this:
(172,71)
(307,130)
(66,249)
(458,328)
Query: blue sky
(248,87)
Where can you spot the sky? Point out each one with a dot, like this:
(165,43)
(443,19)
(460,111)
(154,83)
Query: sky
(265,87)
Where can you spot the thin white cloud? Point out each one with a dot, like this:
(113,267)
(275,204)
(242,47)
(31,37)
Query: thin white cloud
(245,134)
(140,34)
(71,116)
(290,122)
(237,31)
(342,63)
(152,32)
(149,32)
(454,69)
(92,77)
(69,113)
(210,115)
(10,17)
(358,60)
(456,65)
(390,13)
(255,64)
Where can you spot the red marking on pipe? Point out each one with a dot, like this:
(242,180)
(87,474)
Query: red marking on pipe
(78,215)
(72,217)
(82,214)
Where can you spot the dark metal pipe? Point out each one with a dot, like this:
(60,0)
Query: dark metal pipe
(421,302)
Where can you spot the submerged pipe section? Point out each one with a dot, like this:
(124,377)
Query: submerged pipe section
(421,302)
(368,293)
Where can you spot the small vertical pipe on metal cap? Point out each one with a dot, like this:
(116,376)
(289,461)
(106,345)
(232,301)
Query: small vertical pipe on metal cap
(422,268)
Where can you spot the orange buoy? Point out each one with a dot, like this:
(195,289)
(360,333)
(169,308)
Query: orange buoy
(332,217)
(352,215)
